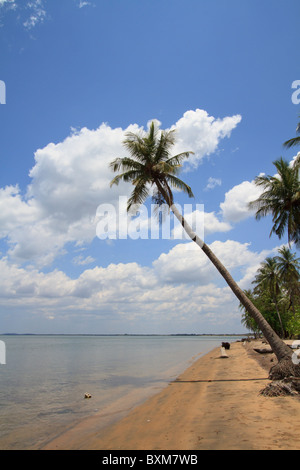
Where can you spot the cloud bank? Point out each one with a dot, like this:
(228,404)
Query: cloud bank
(180,288)
(68,182)
(70,179)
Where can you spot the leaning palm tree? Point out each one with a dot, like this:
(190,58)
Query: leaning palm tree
(295,140)
(281,199)
(150,167)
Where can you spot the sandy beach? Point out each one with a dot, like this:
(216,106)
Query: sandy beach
(214,405)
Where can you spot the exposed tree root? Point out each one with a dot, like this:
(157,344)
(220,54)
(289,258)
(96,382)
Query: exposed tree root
(285,378)
(285,368)
(281,388)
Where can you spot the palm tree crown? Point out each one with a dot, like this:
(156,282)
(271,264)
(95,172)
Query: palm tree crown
(267,276)
(281,199)
(288,265)
(151,165)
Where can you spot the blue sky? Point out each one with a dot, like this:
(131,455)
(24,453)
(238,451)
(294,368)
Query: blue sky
(78,75)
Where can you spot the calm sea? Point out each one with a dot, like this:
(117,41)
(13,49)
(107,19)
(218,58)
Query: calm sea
(45,378)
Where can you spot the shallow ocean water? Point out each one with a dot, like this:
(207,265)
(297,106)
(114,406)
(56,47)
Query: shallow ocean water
(45,378)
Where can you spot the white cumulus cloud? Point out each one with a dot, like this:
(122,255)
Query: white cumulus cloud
(212,183)
(236,204)
(70,179)
(201,133)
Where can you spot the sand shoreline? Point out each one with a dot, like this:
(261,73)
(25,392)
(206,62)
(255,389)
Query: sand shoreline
(213,405)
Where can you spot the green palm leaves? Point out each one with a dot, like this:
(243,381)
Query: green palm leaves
(281,196)
(281,200)
(151,165)
(267,279)
(288,267)
(277,292)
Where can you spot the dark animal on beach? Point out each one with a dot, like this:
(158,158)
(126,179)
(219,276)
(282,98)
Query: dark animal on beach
(226,345)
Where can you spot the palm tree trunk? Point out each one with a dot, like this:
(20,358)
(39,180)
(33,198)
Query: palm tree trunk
(281,350)
(278,315)
(292,302)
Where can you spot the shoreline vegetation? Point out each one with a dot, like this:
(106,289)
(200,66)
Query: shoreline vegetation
(215,404)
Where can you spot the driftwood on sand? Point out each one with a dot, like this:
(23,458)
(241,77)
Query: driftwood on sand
(263,350)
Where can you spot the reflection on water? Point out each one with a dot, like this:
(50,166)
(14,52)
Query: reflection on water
(45,378)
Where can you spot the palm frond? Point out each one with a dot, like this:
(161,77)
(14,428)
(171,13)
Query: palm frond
(160,207)
(137,147)
(150,164)
(179,184)
(280,200)
(165,143)
(128,176)
(292,142)
(165,168)
(138,195)
(178,159)
(125,164)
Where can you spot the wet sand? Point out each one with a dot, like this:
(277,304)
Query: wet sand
(214,405)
